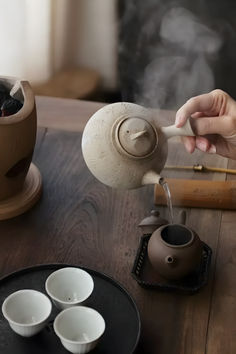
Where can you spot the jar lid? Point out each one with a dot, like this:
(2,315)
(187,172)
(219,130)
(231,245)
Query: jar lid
(152,222)
(137,137)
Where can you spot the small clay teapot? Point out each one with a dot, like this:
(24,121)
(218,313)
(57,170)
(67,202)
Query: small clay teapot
(124,147)
(174,251)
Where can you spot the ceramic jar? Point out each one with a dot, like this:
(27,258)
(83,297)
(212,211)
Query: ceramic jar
(174,251)
(17,138)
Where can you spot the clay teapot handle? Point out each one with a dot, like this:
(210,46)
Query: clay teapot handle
(182,217)
(172,130)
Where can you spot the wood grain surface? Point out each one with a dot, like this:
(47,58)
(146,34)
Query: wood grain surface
(222,328)
(79,220)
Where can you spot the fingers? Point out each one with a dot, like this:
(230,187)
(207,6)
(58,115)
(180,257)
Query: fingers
(191,143)
(200,103)
(223,125)
(205,145)
(198,115)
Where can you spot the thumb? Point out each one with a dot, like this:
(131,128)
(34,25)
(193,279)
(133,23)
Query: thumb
(212,125)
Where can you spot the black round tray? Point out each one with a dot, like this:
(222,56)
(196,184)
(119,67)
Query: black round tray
(109,298)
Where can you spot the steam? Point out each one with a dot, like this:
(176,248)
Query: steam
(181,27)
(180,63)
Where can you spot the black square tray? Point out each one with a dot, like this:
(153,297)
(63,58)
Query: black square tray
(147,277)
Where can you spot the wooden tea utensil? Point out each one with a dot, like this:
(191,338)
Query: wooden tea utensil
(198,193)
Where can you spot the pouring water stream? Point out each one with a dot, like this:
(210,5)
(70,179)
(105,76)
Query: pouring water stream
(166,189)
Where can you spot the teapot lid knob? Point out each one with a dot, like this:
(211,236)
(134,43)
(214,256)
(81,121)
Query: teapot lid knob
(152,222)
(155,212)
(137,137)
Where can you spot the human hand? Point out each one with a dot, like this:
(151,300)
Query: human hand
(213,121)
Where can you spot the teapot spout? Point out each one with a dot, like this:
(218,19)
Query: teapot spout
(172,130)
(151,177)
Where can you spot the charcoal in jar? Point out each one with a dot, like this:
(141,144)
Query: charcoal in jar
(10,106)
(4,93)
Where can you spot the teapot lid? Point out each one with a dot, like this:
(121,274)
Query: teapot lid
(137,136)
(152,222)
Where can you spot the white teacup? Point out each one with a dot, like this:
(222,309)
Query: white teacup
(69,287)
(79,328)
(27,311)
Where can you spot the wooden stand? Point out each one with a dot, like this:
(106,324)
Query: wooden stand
(25,199)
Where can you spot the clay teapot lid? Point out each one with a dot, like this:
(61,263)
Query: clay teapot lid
(152,222)
(137,137)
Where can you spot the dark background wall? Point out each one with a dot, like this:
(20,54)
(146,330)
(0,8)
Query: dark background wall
(172,50)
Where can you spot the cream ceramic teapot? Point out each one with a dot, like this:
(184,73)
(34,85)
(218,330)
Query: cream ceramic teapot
(124,147)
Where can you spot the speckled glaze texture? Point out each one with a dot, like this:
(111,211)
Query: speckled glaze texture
(124,147)
(174,251)
(106,160)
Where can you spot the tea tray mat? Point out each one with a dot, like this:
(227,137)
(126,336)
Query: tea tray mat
(145,275)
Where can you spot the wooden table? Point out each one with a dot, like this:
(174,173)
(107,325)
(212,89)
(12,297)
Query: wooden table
(80,221)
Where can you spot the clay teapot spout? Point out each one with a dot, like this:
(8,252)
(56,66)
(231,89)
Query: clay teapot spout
(151,177)
(170,259)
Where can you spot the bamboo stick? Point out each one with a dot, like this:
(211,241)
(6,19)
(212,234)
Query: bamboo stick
(201,168)
(198,193)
